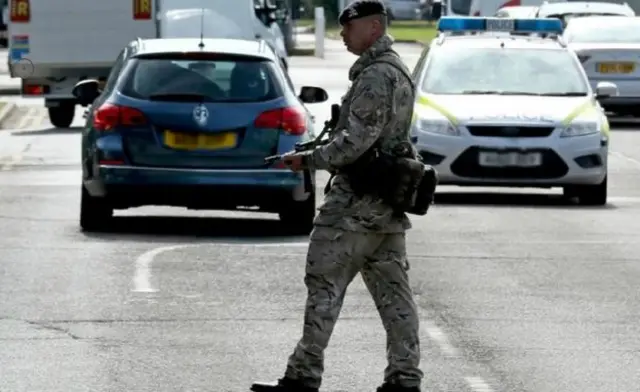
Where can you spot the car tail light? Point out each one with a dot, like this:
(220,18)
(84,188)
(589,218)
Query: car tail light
(291,120)
(109,116)
(32,89)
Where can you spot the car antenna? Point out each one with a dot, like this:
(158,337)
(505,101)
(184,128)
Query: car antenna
(201,44)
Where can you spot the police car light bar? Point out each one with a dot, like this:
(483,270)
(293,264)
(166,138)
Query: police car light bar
(475,24)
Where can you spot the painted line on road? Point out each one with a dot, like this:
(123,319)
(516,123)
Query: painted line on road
(626,158)
(143,264)
(477,384)
(142,276)
(438,336)
(15,159)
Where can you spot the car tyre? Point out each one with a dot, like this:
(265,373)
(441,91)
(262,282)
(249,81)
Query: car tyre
(593,195)
(298,216)
(62,116)
(95,213)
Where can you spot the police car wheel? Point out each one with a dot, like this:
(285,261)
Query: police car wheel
(95,213)
(593,195)
(297,217)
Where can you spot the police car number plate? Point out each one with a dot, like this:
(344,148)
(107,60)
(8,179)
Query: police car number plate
(499,24)
(513,159)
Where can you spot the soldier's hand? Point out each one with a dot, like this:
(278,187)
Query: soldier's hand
(294,162)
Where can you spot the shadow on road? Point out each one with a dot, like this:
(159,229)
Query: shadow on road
(48,131)
(10,91)
(241,230)
(495,199)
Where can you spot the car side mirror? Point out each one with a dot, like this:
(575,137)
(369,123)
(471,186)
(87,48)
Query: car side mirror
(606,90)
(86,91)
(313,94)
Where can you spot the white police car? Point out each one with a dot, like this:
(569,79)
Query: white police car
(500,109)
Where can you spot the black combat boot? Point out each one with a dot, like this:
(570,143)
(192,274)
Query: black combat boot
(388,387)
(283,385)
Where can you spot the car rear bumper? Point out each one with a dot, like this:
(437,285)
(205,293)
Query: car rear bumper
(130,186)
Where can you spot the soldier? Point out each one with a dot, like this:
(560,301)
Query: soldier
(354,232)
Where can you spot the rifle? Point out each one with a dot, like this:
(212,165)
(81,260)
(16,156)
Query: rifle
(329,125)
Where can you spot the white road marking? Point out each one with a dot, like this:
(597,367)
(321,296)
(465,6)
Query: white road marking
(16,158)
(625,158)
(436,334)
(28,117)
(477,384)
(142,274)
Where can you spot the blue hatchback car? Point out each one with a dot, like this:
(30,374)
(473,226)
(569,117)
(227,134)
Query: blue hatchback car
(188,122)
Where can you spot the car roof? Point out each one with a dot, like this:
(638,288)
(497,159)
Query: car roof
(604,20)
(239,47)
(496,40)
(518,8)
(584,7)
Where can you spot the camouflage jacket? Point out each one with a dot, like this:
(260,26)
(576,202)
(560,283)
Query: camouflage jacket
(377,107)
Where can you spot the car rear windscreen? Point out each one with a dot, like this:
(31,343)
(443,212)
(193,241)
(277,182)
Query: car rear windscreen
(218,79)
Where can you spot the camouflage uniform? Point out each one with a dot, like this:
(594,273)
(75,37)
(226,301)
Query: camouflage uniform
(361,234)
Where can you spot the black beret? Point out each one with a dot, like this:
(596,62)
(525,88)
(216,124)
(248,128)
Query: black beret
(360,9)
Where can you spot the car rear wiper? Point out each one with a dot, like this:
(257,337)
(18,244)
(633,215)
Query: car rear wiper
(564,94)
(179,97)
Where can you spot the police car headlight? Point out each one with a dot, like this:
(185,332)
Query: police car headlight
(581,129)
(441,127)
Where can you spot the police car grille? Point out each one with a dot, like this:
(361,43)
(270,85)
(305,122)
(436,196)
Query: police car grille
(502,131)
(467,165)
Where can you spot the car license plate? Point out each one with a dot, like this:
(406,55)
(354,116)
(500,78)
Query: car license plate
(616,68)
(199,141)
(515,159)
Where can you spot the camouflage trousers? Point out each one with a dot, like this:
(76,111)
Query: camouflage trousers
(334,258)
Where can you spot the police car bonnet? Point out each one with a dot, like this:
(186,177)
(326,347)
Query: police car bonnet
(360,9)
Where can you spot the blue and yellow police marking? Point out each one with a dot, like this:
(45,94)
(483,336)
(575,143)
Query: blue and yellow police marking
(19,47)
(583,108)
(426,102)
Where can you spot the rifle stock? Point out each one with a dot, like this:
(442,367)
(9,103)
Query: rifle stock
(329,125)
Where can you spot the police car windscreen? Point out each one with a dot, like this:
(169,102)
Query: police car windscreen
(604,30)
(464,70)
(166,78)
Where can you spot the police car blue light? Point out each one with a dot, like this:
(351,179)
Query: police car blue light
(475,24)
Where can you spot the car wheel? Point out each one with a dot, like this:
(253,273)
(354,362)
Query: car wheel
(62,116)
(298,216)
(593,195)
(95,213)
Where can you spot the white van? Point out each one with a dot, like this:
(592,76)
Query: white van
(244,19)
(51,58)
(483,7)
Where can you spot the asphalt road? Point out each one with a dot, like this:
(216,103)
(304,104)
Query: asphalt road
(517,292)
